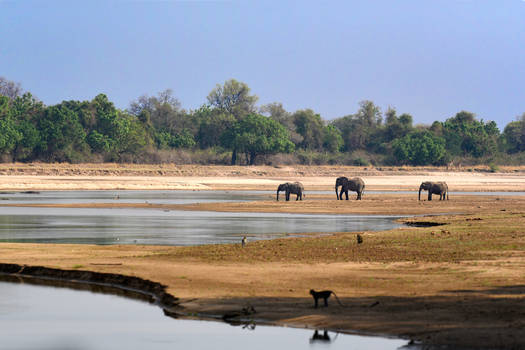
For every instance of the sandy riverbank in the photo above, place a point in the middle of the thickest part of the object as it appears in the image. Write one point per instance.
(461, 283)
(15, 177)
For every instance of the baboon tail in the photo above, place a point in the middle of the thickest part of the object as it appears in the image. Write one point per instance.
(336, 298)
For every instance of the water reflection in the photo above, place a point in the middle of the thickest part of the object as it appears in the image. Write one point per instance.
(155, 226)
(36, 317)
(322, 337)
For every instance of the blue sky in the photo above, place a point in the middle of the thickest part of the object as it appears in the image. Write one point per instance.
(427, 58)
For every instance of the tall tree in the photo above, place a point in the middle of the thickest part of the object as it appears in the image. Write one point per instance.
(419, 148)
(257, 135)
(26, 111)
(9, 135)
(9, 88)
(164, 110)
(467, 136)
(277, 112)
(310, 126)
(63, 138)
(234, 98)
(357, 129)
(514, 135)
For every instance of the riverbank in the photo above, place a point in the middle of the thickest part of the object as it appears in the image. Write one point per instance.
(40, 176)
(459, 283)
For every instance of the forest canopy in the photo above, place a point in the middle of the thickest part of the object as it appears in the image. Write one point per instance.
(229, 128)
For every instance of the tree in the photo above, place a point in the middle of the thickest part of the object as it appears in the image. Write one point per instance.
(465, 135)
(212, 124)
(233, 98)
(310, 126)
(9, 135)
(63, 138)
(164, 110)
(26, 111)
(10, 89)
(277, 112)
(396, 127)
(358, 129)
(419, 148)
(332, 139)
(514, 135)
(257, 135)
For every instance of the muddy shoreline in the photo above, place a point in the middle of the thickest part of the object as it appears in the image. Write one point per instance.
(155, 292)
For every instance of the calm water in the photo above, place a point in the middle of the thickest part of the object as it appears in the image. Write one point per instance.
(37, 317)
(157, 226)
(156, 197)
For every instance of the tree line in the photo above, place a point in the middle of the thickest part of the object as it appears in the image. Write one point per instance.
(230, 123)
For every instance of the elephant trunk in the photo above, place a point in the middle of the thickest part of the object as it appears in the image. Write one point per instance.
(419, 196)
(336, 194)
(277, 195)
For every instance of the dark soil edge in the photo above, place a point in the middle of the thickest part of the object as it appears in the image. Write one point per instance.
(129, 283)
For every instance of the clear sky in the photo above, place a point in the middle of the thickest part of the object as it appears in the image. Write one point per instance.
(428, 58)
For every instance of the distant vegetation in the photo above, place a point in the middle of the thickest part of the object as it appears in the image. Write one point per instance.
(231, 129)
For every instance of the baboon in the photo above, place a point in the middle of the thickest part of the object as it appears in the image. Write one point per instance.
(324, 294)
(359, 239)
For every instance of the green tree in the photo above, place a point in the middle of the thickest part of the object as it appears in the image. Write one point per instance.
(358, 129)
(465, 135)
(332, 139)
(9, 135)
(26, 111)
(310, 126)
(233, 98)
(396, 127)
(514, 135)
(277, 112)
(257, 135)
(63, 138)
(419, 148)
(212, 124)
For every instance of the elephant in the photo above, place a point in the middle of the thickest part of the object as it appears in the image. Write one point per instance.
(356, 184)
(440, 188)
(291, 187)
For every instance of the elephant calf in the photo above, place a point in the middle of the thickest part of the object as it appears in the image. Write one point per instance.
(356, 184)
(291, 187)
(440, 188)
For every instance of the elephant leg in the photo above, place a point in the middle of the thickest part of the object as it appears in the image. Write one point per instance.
(287, 196)
(346, 194)
(358, 195)
(429, 195)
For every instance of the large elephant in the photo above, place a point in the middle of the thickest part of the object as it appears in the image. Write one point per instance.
(440, 188)
(356, 184)
(291, 187)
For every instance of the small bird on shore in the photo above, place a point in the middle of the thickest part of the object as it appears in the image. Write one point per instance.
(359, 239)
(244, 241)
